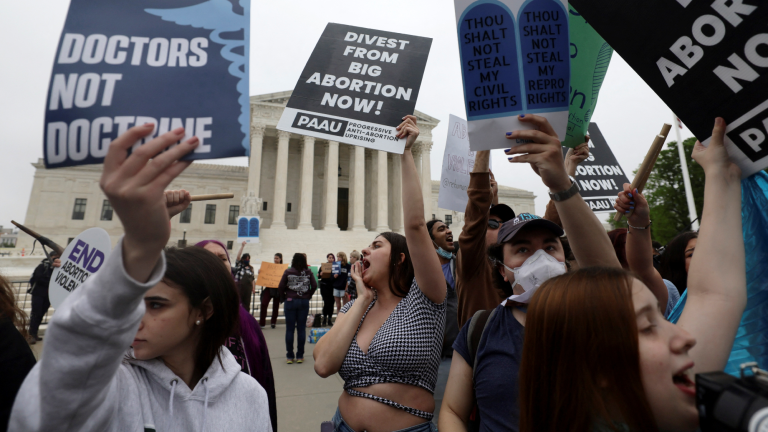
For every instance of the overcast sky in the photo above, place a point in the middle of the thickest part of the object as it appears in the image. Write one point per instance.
(283, 34)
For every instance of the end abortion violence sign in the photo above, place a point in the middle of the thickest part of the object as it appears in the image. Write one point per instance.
(515, 59)
(705, 59)
(83, 257)
(357, 86)
(176, 63)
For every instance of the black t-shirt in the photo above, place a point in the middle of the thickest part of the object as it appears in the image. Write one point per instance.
(341, 281)
(16, 360)
(496, 382)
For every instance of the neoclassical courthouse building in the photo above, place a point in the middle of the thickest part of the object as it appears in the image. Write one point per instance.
(313, 196)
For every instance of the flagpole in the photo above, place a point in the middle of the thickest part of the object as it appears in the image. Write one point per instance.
(686, 177)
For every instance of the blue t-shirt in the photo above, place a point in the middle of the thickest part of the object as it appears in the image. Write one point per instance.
(496, 382)
(448, 275)
(672, 298)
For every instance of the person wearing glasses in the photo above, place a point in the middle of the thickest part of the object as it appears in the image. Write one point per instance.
(483, 217)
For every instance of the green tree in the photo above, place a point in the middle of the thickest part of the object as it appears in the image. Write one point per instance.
(665, 192)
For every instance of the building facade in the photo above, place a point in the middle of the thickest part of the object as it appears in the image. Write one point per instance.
(313, 196)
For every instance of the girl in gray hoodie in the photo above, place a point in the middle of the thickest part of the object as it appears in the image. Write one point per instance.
(175, 309)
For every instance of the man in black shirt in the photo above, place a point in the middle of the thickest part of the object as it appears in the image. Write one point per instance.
(38, 284)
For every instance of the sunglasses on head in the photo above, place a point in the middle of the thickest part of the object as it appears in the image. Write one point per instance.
(493, 224)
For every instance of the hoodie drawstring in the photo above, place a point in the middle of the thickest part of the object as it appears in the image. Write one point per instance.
(173, 390)
(205, 407)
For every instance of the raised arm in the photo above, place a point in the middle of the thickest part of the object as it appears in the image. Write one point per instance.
(639, 245)
(717, 281)
(589, 241)
(429, 274)
(75, 383)
(240, 252)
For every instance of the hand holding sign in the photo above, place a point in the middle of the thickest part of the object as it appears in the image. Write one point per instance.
(135, 186)
(633, 201)
(544, 152)
(409, 130)
(714, 158)
(176, 201)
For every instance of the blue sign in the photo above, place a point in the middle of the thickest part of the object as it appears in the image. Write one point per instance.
(248, 229)
(242, 227)
(125, 63)
(253, 227)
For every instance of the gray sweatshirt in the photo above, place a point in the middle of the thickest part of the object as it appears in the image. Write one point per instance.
(85, 383)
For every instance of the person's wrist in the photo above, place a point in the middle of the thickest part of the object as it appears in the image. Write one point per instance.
(559, 184)
(640, 221)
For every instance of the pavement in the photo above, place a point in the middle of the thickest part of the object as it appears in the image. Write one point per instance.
(304, 400)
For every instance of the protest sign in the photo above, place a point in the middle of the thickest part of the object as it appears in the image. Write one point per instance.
(357, 86)
(600, 178)
(458, 162)
(270, 274)
(125, 63)
(83, 257)
(327, 269)
(590, 56)
(248, 229)
(514, 60)
(704, 59)
(336, 267)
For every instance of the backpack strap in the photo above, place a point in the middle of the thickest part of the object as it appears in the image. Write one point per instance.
(475, 333)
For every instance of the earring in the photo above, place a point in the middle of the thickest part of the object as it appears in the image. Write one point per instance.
(197, 322)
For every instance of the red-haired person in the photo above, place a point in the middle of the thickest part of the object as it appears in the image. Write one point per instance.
(599, 354)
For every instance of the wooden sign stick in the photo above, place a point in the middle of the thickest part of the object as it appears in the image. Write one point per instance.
(211, 197)
(647, 166)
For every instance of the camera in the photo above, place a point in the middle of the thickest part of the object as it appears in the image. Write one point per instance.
(727, 403)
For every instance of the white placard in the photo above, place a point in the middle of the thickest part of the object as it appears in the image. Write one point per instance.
(83, 257)
(248, 229)
(458, 162)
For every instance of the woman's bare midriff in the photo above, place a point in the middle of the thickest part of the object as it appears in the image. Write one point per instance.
(363, 414)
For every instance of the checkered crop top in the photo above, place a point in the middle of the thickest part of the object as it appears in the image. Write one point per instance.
(406, 349)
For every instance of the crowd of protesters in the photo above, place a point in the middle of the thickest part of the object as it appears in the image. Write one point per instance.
(522, 323)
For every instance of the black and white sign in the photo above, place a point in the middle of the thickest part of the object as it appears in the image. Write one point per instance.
(357, 86)
(600, 178)
(705, 59)
(83, 257)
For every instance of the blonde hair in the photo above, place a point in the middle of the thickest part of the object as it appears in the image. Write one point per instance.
(342, 257)
(355, 254)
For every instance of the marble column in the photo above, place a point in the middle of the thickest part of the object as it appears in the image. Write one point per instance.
(357, 189)
(426, 178)
(397, 194)
(382, 209)
(331, 185)
(307, 175)
(281, 181)
(254, 162)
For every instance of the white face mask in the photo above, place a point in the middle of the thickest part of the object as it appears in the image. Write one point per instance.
(537, 269)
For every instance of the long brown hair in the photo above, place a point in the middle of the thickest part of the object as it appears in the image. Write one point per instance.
(9, 309)
(581, 361)
(400, 274)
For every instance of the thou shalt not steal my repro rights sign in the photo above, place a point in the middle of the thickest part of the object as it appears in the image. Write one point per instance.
(357, 86)
(121, 64)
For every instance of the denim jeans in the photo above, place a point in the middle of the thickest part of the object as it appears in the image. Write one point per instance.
(341, 426)
(296, 311)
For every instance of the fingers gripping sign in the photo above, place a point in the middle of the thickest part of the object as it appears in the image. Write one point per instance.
(408, 129)
(543, 150)
(177, 201)
(135, 186)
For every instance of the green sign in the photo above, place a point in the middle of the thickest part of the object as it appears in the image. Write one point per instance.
(590, 56)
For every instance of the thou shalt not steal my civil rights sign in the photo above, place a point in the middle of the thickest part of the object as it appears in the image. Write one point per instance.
(600, 178)
(357, 86)
(514, 60)
(705, 59)
(125, 63)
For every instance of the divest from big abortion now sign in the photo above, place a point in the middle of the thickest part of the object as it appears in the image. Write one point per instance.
(515, 59)
(357, 86)
(172, 63)
(83, 257)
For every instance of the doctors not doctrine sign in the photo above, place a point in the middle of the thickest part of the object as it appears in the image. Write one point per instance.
(176, 63)
(514, 60)
(357, 86)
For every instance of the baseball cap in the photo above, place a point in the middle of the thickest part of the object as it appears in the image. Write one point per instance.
(510, 228)
(503, 211)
